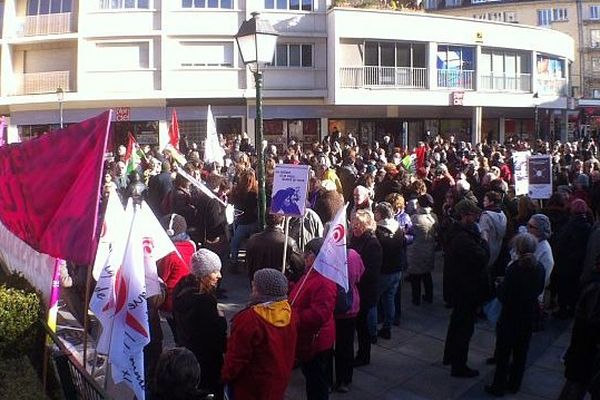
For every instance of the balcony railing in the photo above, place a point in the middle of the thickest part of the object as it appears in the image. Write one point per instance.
(552, 86)
(455, 78)
(396, 77)
(506, 82)
(43, 82)
(47, 24)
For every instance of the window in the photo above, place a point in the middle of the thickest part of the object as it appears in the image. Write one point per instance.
(430, 4)
(124, 4)
(122, 56)
(596, 93)
(511, 16)
(595, 37)
(293, 55)
(303, 5)
(594, 12)
(549, 15)
(394, 54)
(205, 54)
(453, 57)
(596, 64)
(453, 3)
(544, 17)
(226, 4)
(43, 7)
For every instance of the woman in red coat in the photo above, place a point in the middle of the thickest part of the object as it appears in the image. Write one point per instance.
(260, 351)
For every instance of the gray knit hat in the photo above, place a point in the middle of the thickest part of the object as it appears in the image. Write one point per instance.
(270, 284)
(205, 262)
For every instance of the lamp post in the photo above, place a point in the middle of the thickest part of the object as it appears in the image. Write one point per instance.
(256, 40)
(536, 119)
(60, 95)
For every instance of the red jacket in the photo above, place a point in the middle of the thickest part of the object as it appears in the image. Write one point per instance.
(173, 267)
(313, 308)
(260, 352)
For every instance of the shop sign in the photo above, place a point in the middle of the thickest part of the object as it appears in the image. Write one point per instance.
(457, 98)
(122, 113)
(146, 137)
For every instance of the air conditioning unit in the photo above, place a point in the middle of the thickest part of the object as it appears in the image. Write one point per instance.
(510, 17)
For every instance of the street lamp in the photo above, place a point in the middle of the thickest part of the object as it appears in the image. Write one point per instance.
(60, 95)
(536, 119)
(256, 40)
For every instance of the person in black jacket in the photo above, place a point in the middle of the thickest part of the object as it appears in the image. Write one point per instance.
(391, 237)
(178, 376)
(518, 293)
(365, 242)
(201, 327)
(465, 258)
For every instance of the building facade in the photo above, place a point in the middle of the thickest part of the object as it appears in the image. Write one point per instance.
(395, 75)
(580, 19)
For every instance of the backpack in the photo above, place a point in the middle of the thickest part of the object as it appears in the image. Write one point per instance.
(343, 302)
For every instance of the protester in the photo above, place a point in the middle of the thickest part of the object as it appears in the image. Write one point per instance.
(365, 243)
(260, 350)
(244, 197)
(517, 293)
(201, 327)
(466, 256)
(177, 376)
(313, 301)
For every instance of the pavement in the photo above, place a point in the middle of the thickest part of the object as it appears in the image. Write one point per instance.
(409, 365)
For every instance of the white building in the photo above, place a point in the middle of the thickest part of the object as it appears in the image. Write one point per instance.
(368, 71)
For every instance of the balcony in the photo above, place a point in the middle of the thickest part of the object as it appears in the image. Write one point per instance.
(47, 24)
(388, 77)
(455, 78)
(505, 82)
(43, 82)
(552, 86)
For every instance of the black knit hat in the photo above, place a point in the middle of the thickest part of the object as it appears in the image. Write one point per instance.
(314, 245)
(174, 224)
(270, 284)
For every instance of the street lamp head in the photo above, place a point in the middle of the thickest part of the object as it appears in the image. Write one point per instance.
(256, 40)
(60, 94)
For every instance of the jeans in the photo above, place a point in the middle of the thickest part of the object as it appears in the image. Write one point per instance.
(388, 284)
(240, 233)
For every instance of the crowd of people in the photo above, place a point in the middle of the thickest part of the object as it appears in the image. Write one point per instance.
(538, 259)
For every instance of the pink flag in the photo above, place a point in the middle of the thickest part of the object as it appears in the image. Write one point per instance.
(332, 260)
(50, 187)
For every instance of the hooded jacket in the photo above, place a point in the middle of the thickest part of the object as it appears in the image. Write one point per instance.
(260, 351)
(393, 245)
(492, 225)
(421, 253)
(173, 267)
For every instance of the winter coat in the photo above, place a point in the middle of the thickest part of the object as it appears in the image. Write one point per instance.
(303, 230)
(421, 253)
(247, 203)
(518, 294)
(585, 339)
(260, 351)
(200, 327)
(391, 238)
(371, 253)
(265, 250)
(571, 246)
(492, 225)
(158, 187)
(173, 267)
(356, 269)
(465, 257)
(313, 307)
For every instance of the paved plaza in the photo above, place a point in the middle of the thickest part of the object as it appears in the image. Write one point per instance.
(409, 366)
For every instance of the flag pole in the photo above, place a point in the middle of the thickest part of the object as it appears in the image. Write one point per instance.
(286, 224)
(88, 283)
(52, 314)
(302, 284)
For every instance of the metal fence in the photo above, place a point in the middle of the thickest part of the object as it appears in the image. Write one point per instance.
(506, 82)
(76, 382)
(455, 78)
(394, 77)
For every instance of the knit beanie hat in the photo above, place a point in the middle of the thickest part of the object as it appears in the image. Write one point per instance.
(205, 262)
(270, 285)
(174, 224)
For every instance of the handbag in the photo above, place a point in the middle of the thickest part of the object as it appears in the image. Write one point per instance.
(492, 310)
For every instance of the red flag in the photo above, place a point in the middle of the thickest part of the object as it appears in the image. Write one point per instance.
(174, 130)
(50, 188)
(130, 146)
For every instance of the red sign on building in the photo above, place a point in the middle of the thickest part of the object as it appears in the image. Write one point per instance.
(457, 98)
(122, 113)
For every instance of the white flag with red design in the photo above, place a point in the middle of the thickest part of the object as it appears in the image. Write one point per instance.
(130, 330)
(332, 260)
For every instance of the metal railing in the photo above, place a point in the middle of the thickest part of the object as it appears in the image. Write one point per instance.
(505, 82)
(76, 382)
(43, 82)
(396, 77)
(47, 24)
(455, 78)
(551, 86)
